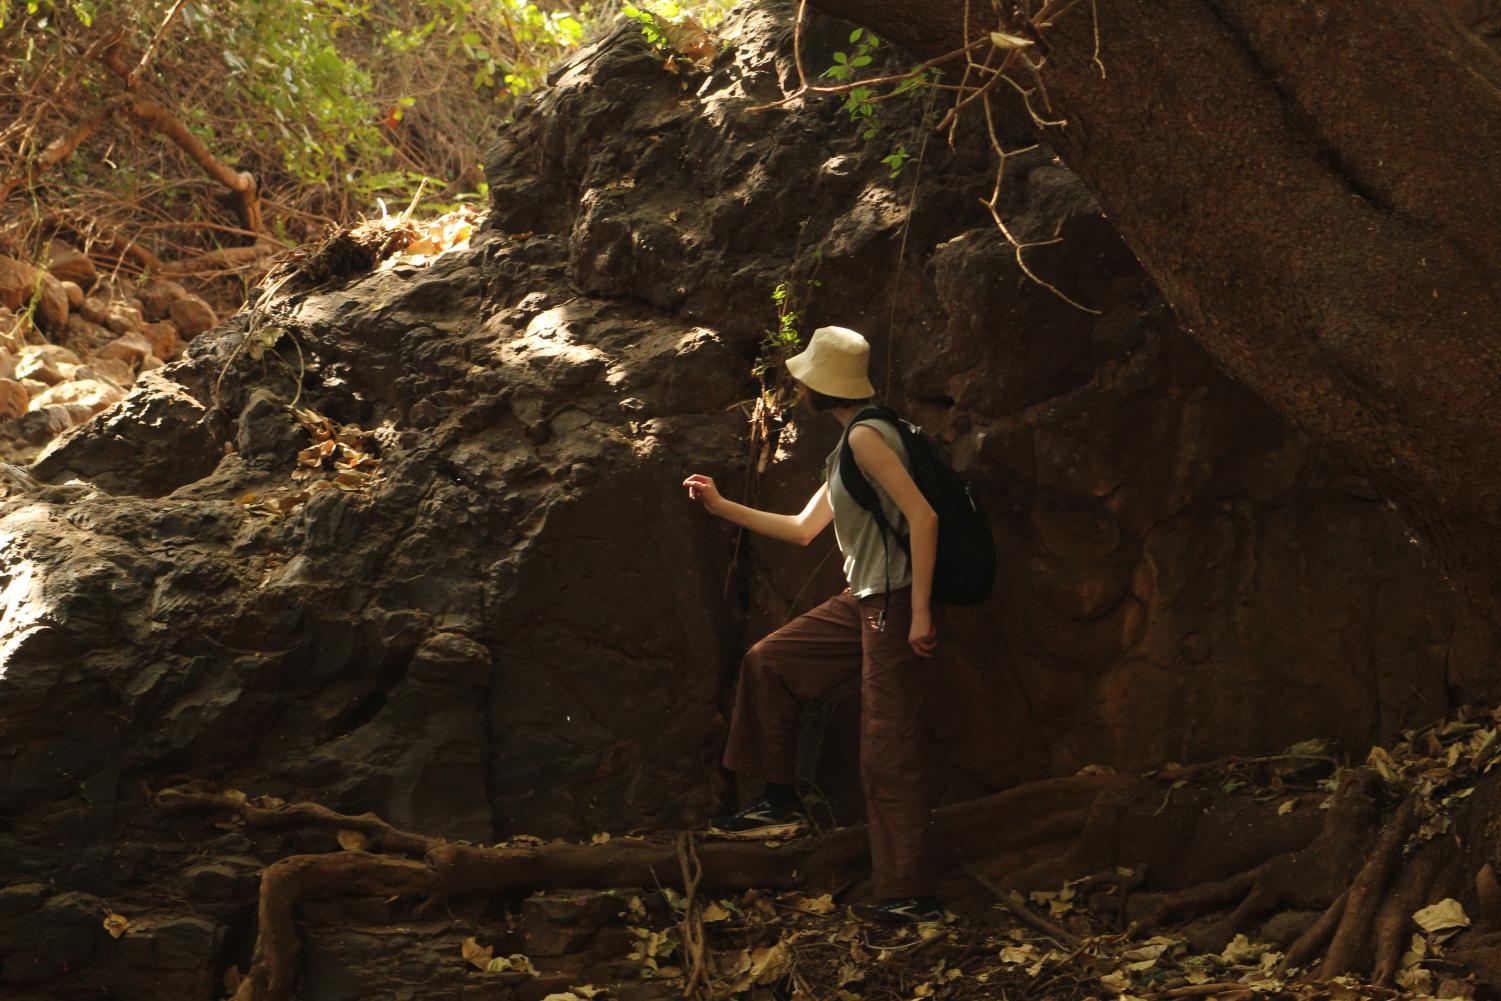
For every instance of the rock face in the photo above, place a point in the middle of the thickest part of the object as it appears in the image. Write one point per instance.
(519, 625)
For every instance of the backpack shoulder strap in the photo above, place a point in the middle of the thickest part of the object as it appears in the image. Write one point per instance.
(853, 478)
(850, 474)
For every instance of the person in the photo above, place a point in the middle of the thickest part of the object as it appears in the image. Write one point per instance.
(880, 629)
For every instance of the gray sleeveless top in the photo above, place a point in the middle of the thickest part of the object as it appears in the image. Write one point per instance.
(868, 567)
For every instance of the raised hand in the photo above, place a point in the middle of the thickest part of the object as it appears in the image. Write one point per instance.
(702, 489)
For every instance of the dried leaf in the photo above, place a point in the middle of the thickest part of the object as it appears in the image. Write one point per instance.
(769, 963)
(714, 912)
(600, 839)
(353, 841)
(1115, 981)
(1287, 807)
(1381, 760)
(116, 924)
(1442, 916)
(819, 905)
(1005, 40)
(515, 962)
(475, 954)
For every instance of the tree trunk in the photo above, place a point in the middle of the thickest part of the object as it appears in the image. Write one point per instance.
(1314, 187)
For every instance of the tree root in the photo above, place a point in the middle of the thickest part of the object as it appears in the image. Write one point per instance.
(1353, 936)
(381, 835)
(447, 870)
(1005, 841)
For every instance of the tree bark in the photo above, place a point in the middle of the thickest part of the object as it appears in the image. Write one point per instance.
(1314, 188)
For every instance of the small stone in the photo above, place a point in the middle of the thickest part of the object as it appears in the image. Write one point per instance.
(40, 426)
(123, 318)
(111, 370)
(94, 310)
(14, 400)
(212, 881)
(49, 363)
(165, 343)
(93, 395)
(52, 309)
(75, 293)
(158, 297)
(17, 283)
(71, 264)
(7, 364)
(130, 348)
(85, 337)
(32, 387)
(152, 363)
(192, 316)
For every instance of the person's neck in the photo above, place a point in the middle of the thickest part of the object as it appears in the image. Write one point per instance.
(844, 414)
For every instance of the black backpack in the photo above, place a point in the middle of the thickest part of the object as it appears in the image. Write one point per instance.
(964, 573)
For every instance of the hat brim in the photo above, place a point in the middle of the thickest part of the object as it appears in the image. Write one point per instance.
(801, 367)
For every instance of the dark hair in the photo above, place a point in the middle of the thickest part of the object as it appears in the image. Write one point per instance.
(822, 402)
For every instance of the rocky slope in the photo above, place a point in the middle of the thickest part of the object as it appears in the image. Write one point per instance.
(517, 624)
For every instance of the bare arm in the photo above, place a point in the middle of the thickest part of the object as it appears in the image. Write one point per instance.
(801, 528)
(878, 461)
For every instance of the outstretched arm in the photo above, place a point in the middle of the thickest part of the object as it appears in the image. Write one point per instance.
(801, 528)
(881, 464)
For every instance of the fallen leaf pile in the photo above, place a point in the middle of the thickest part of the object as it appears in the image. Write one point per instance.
(434, 238)
(1439, 764)
(339, 458)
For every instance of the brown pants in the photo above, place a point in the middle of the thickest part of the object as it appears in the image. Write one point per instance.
(899, 763)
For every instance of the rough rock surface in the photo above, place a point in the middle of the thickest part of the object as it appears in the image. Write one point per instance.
(520, 626)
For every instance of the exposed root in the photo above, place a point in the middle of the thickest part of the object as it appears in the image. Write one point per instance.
(380, 834)
(1033, 835)
(273, 966)
(1353, 937)
(1307, 945)
(695, 946)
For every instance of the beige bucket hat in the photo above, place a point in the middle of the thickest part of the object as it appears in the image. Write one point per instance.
(834, 363)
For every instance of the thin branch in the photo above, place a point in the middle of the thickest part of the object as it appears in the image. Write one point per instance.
(134, 76)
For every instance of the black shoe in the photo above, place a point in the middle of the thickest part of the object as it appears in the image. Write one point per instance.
(762, 819)
(903, 911)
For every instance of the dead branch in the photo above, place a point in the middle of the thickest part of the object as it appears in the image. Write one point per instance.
(1017, 908)
(241, 184)
(134, 76)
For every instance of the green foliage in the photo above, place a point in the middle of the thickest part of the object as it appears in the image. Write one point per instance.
(896, 160)
(336, 106)
(863, 103)
(650, 26)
